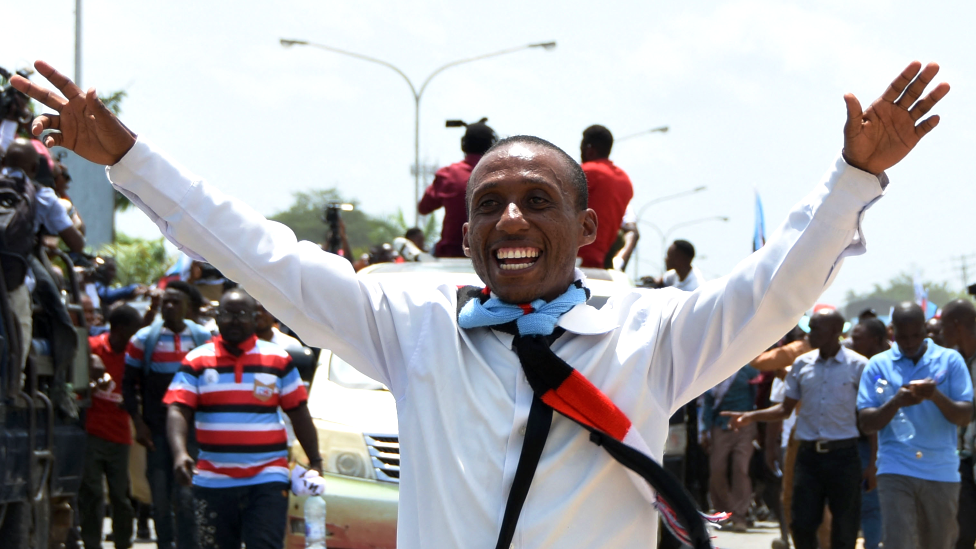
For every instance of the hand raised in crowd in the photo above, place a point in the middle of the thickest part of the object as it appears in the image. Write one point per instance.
(84, 124)
(878, 138)
(737, 420)
(184, 468)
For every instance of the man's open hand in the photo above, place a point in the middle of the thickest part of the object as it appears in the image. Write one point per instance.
(85, 124)
(737, 420)
(878, 138)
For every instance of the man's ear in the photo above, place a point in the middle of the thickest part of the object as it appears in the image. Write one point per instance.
(464, 240)
(588, 227)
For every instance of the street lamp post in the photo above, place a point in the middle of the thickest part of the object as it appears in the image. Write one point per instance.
(417, 93)
(658, 200)
(665, 234)
(660, 129)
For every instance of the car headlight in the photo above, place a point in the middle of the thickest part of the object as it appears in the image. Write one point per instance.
(343, 451)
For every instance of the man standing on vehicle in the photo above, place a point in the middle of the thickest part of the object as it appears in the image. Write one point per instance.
(109, 437)
(828, 467)
(449, 186)
(456, 377)
(918, 478)
(153, 357)
(231, 389)
(609, 191)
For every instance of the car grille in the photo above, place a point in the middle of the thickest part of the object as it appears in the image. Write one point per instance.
(384, 450)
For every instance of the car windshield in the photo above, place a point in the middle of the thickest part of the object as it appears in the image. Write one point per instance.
(343, 374)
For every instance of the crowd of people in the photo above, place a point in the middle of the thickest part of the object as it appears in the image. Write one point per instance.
(829, 407)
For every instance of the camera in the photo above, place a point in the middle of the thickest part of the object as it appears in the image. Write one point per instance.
(971, 290)
(12, 101)
(332, 219)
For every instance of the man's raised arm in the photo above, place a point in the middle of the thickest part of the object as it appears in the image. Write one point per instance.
(729, 321)
(315, 292)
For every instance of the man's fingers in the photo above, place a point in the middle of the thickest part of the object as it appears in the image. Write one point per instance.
(927, 125)
(929, 101)
(39, 93)
(60, 81)
(917, 86)
(854, 114)
(45, 122)
(53, 140)
(899, 84)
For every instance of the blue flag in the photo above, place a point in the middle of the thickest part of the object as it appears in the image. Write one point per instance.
(759, 236)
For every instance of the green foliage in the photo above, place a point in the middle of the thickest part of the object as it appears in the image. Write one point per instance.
(431, 232)
(138, 261)
(305, 217)
(114, 101)
(901, 288)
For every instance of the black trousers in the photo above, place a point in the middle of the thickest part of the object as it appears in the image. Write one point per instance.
(967, 506)
(255, 514)
(832, 478)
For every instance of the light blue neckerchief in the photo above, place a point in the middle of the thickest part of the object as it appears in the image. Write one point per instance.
(541, 321)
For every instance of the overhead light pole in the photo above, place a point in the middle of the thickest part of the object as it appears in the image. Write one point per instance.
(640, 214)
(417, 92)
(666, 234)
(659, 129)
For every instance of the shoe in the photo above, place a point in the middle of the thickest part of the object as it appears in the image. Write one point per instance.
(781, 544)
(739, 527)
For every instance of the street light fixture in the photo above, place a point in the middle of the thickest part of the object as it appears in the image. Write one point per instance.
(665, 234)
(658, 200)
(417, 92)
(660, 129)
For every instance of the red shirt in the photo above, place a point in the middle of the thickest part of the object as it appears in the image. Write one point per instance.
(448, 190)
(106, 418)
(610, 191)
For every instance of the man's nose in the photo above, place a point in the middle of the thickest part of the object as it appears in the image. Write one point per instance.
(511, 220)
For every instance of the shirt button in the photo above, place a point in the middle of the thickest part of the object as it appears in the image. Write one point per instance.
(521, 432)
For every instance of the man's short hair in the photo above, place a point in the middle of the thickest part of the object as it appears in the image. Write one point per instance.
(685, 248)
(874, 327)
(193, 295)
(599, 138)
(412, 232)
(478, 138)
(577, 177)
(123, 315)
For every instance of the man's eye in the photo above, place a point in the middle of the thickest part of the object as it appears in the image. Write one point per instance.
(487, 204)
(538, 201)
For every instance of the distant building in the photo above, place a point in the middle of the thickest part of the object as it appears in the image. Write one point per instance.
(92, 195)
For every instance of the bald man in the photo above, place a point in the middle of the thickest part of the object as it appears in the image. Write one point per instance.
(828, 467)
(918, 478)
(959, 332)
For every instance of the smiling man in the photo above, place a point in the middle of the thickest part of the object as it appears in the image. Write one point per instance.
(477, 374)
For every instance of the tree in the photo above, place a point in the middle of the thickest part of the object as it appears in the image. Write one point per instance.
(305, 217)
(902, 288)
(138, 261)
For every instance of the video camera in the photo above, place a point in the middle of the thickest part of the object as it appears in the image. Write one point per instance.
(12, 101)
(332, 219)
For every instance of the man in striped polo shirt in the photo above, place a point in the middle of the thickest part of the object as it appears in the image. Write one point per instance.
(233, 388)
(152, 358)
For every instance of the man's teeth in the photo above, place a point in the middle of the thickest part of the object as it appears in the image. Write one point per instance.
(516, 266)
(517, 253)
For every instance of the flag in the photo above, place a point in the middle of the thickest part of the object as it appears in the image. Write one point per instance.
(921, 294)
(759, 235)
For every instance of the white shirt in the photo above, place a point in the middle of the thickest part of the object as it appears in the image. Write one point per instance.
(462, 400)
(777, 394)
(691, 282)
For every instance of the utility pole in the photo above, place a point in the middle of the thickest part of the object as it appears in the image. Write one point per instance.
(78, 42)
(966, 263)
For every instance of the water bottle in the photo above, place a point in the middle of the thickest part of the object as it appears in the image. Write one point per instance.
(315, 522)
(900, 425)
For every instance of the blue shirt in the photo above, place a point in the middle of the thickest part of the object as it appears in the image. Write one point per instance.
(828, 391)
(931, 454)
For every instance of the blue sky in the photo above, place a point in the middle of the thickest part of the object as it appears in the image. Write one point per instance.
(751, 89)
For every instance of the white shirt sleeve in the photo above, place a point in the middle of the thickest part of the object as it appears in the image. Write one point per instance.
(727, 322)
(316, 293)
